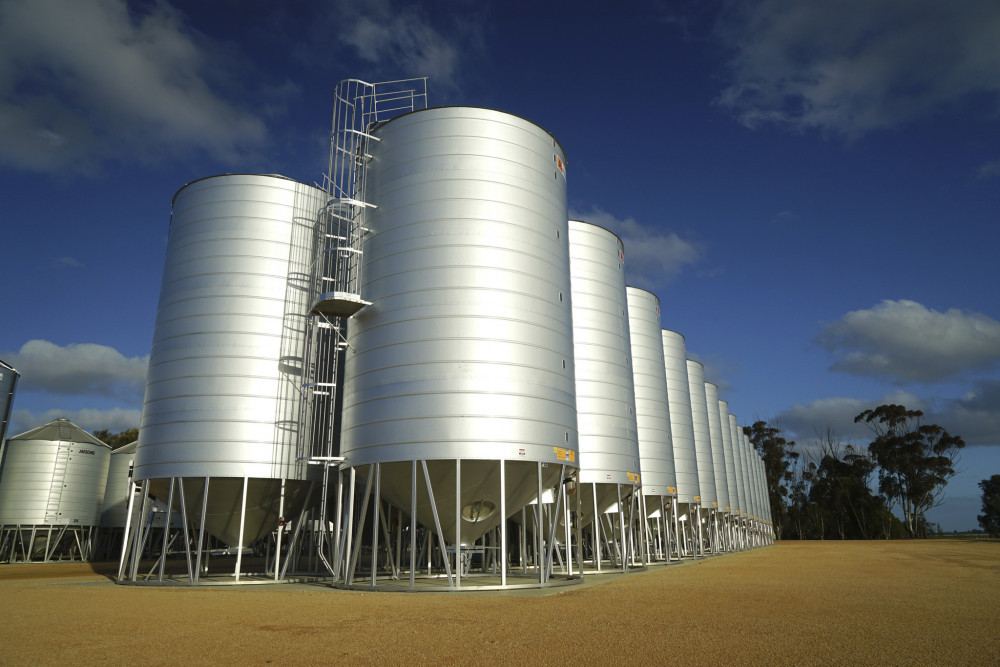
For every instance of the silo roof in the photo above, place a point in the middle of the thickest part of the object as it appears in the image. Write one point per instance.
(130, 448)
(60, 430)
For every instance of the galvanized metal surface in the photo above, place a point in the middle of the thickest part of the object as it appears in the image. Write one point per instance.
(656, 455)
(702, 437)
(53, 475)
(740, 452)
(8, 386)
(718, 453)
(605, 394)
(737, 501)
(727, 454)
(222, 394)
(467, 350)
(681, 421)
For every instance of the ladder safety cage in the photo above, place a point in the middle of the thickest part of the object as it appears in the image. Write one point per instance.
(338, 238)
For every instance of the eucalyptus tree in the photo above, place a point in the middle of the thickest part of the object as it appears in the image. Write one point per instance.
(915, 460)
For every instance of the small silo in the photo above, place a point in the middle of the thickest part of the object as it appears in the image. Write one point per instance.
(459, 403)
(718, 464)
(703, 450)
(609, 473)
(656, 456)
(51, 492)
(682, 438)
(219, 434)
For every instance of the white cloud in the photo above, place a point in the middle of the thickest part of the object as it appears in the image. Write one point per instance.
(990, 170)
(905, 342)
(115, 420)
(653, 256)
(854, 66)
(803, 422)
(86, 82)
(79, 369)
(975, 417)
(401, 39)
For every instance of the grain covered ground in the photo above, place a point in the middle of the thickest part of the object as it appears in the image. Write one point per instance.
(907, 602)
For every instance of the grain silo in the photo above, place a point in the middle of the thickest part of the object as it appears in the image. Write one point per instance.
(459, 402)
(609, 474)
(682, 438)
(656, 456)
(703, 452)
(219, 438)
(735, 498)
(740, 455)
(8, 385)
(718, 463)
(729, 462)
(51, 491)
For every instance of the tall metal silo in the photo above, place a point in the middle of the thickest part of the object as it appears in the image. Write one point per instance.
(682, 438)
(703, 451)
(727, 455)
(656, 456)
(219, 438)
(8, 385)
(748, 454)
(736, 498)
(743, 492)
(459, 403)
(718, 463)
(51, 492)
(609, 474)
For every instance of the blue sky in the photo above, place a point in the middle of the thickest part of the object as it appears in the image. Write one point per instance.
(811, 188)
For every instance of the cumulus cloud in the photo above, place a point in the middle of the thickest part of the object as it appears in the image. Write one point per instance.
(401, 37)
(86, 82)
(990, 170)
(975, 416)
(854, 66)
(803, 421)
(653, 256)
(904, 341)
(79, 369)
(115, 420)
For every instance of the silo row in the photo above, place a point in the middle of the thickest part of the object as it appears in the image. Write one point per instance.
(501, 409)
(506, 406)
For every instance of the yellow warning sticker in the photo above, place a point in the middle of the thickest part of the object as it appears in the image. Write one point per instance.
(565, 454)
(672, 490)
(697, 499)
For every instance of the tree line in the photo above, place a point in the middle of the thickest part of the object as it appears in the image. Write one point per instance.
(846, 491)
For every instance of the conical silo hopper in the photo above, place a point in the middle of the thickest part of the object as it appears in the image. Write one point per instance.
(463, 362)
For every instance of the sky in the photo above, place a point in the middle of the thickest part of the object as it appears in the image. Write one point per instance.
(811, 188)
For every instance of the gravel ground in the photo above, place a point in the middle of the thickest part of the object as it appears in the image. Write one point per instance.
(798, 603)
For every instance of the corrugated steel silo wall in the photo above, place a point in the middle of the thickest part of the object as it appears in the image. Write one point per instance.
(727, 453)
(656, 455)
(605, 395)
(222, 388)
(8, 385)
(681, 422)
(467, 350)
(718, 455)
(49, 482)
(115, 508)
(739, 502)
(702, 438)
